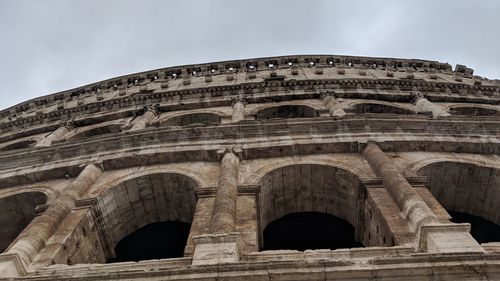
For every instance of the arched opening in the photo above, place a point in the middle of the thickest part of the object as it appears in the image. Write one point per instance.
(482, 230)
(298, 198)
(309, 230)
(468, 192)
(158, 240)
(474, 111)
(287, 111)
(150, 210)
(194, 118)
(97, 131)
(17, 211)
(379, 108)
(18, 145)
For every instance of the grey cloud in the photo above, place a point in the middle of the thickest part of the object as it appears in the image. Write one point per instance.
(53, 45)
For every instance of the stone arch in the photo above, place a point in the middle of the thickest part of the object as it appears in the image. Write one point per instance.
(103, 186)
(205, 117)
(49, 193)
(465, 159)
(465, 187)
(372, 106)
(17, 211)
(474, 110)
(265, 169)
(145, 199)
(96, 130)
(18, 144)
(309, 188)
(293, 109)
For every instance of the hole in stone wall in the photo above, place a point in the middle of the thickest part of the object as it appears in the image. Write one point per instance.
(159, 240)
(482, 230)
(309, 230)
(287, 111)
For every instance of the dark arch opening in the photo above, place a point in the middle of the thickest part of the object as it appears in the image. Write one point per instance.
(287, 111)
(309, 230)
(474, 111)
(16, 213)
(195, 118)
(18, 145)
(379, 108)
(482, 230)
(159, 240)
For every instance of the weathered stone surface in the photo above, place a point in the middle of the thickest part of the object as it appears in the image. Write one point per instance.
(230, 148)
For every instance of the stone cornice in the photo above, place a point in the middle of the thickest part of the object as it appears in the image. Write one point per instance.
(384, 89)
(257, 140)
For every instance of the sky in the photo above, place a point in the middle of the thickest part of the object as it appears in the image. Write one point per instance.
(47, 46)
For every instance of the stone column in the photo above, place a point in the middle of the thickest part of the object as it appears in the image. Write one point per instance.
(238, 111)
(332, 104)
(433, 236)
(56, 135)
(223, 244)
(33, 239)
(224, 214)
(425, 105)
(142, 121)
(407, 199)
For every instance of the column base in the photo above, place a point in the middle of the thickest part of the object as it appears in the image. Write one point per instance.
(447, 238)
(11, 266)
(217, 248)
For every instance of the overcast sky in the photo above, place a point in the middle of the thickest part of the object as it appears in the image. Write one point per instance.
(48, 46)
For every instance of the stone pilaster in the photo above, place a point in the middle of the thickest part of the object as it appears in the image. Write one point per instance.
(425, 105)
(33, 239)
(142, 121)
(224, 214)
(407, 199)
(58, 134)
(223, 244)
(238, 110)
(333, 105)
(432, 235)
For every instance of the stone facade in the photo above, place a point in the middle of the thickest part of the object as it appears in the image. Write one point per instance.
(390, 146)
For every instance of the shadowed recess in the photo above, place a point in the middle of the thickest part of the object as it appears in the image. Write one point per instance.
(287, 111)
(309, 230)
(379, 108)
(482, 230)
(196, 118)
(160, 240)
(16, 213)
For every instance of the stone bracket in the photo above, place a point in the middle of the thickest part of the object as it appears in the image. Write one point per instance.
(213, 249)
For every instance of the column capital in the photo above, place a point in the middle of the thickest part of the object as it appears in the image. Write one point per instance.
(154, 108)
(235, 150)
(415, 96)
(239, 100)
(70, 125)
(326, 93)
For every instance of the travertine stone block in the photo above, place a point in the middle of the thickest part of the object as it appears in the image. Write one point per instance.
(217, 249)
(447, 238)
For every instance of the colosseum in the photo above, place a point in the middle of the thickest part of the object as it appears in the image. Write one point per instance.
(314, 167)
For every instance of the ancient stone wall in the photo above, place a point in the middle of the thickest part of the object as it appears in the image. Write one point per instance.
(388, 148)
